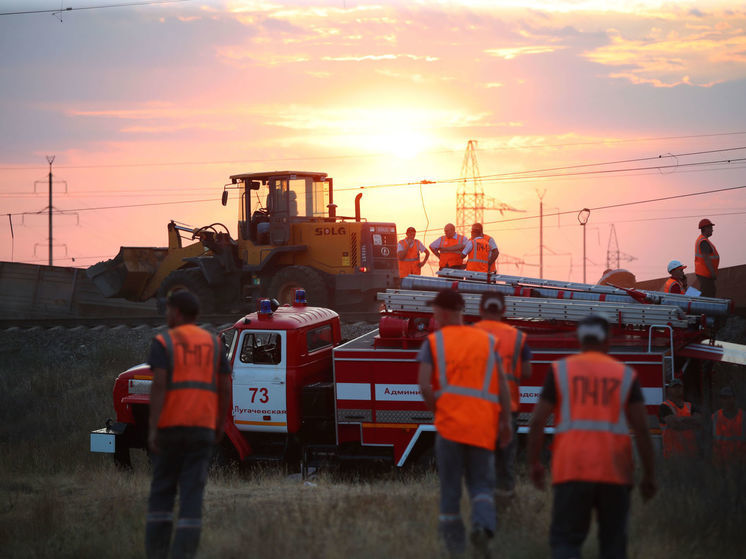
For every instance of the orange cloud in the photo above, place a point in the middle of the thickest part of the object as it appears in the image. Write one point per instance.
(698, 55)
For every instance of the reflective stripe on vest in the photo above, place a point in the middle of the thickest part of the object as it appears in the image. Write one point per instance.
(412, 252)
(670, 282)
(446, 388)
(719, 419)
(211, 386)
(618, 427)
(191, 398)
(451, 258)
(676, 410)
(516, 354)
(700, 268)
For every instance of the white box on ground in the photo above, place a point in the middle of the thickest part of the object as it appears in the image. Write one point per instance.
(103, 441)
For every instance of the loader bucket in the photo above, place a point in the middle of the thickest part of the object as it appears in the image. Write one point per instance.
(127, 274)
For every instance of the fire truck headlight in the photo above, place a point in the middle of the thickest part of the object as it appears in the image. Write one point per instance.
(137, 386)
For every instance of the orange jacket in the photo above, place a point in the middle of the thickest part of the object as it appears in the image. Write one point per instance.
(447, 259)
(410, 264)
(465, 382)
(700, 268)
(192, 382)
(592, 441)
(668, 287)
(728, 437)
(479, 256)
(510, 342)
(678, 442)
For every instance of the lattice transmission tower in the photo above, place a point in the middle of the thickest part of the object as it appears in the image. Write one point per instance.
(470, 198)
(614, 256)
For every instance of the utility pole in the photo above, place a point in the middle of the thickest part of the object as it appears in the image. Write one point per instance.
(583, 216)
(50, 160)
(541, 231)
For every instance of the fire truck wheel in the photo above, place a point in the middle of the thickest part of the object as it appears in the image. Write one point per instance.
(287, 280)
(193, 280)
(122, 457)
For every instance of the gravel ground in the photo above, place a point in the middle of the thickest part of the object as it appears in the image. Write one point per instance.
(80, 342)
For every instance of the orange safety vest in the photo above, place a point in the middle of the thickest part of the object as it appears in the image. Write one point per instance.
(592, 441)
(670, 282)
(192, 381)
(447, 259)
(466, 387)
(676, 442)
(479, 256)
(700, 268)
(410, 264)
(510, 344)
(728, 437)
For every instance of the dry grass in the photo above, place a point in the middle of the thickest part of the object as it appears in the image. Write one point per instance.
(58, 500)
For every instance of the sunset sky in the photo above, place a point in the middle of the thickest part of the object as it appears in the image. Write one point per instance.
(156, 105)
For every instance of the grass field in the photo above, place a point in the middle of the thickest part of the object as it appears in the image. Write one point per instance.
(58, 500)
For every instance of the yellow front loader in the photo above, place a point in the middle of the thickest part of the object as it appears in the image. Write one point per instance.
(289, 236)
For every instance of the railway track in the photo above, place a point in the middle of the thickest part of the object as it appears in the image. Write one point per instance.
(152, 321)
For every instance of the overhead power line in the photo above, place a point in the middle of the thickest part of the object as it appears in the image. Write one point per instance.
(61, 10)
(625, 204)
(374, 155)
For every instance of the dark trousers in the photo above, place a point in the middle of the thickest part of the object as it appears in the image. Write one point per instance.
(706, 286)
(456, 462)
(505, 459)
(571, 518)
(182, 463)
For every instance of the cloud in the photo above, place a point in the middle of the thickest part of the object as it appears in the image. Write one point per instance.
(509, 53)
(377, 57)
(702, 54)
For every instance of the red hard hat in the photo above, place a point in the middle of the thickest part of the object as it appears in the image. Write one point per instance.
(704, 223)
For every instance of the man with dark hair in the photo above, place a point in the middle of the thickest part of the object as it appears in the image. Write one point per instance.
(516, 358)
(463, 384)
(408, 253)
(189, 401)
(595, 400)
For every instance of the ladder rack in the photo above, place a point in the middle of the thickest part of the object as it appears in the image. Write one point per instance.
(479, 282)
(633, 314)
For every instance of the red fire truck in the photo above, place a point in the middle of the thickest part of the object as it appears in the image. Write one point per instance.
(299, 392)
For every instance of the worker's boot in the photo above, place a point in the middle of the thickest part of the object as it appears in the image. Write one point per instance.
(157, 538)
(481, 539)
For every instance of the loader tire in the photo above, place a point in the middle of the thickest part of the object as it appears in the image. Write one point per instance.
(193, 280)
(286, 280)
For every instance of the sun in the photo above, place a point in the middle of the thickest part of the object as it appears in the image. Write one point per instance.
(401, 132)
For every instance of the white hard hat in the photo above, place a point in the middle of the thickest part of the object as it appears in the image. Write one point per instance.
(673, 265)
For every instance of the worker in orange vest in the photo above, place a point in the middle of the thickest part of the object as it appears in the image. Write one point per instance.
(728, 431)
(706, 259)
(516, 358)
(677, 282)
(595, 400)
(448, 248)
(481, 250)
(189, 402)
(408, 252)
(679, 422)
(462, 382)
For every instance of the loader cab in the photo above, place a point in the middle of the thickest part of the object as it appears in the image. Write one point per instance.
(271, 202)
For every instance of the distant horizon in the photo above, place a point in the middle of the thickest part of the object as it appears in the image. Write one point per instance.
(155, 106)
